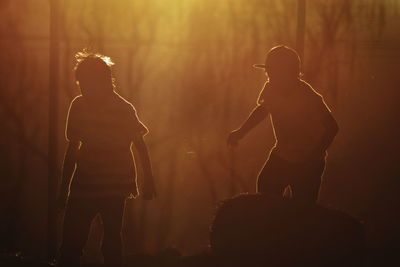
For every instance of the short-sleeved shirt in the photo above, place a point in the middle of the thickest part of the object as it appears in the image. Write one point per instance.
(297, 119)
(105, 164)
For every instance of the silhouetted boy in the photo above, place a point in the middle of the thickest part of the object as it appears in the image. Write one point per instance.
(101, 126)
(303, 127)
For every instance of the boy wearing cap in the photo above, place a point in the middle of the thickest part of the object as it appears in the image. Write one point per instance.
(303, 128)
(101, 127)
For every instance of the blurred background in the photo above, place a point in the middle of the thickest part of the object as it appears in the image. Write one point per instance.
(187, 67)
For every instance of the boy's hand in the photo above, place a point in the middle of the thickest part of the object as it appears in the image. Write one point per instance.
(234, 137)
(149, 189)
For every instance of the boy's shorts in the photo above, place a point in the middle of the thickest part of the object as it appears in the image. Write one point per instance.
(304, 178)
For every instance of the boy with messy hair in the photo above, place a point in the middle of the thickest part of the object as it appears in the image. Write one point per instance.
(98, 170)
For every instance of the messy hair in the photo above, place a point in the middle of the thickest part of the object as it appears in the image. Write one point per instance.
(89, 63)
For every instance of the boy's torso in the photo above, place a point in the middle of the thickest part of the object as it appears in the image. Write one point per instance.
(105, 164)
(296, 119)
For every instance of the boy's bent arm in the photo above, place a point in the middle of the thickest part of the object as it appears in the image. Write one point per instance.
(68, 169)
(149, 191)
(331, 129)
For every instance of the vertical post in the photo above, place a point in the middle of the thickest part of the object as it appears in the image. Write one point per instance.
(52, 134)
(301, 27)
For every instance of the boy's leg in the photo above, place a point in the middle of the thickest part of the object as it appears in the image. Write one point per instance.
(308, 181)
(112, 211)
(272, 179)
(77, 220)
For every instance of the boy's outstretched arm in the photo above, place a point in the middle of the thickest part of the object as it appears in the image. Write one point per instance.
(68, 169)
(256, 116)
(148, 188)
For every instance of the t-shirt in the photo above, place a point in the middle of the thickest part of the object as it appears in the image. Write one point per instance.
(105, 164)
(297, 115)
